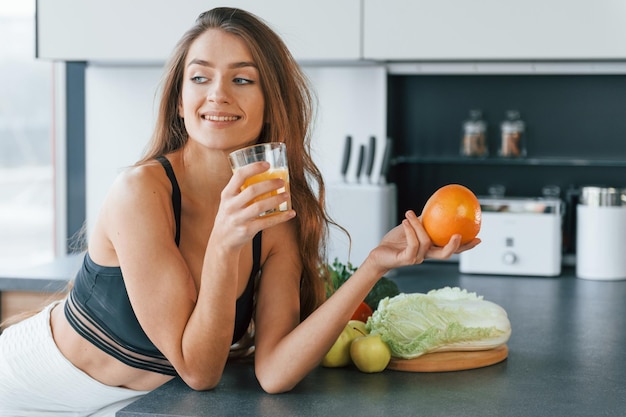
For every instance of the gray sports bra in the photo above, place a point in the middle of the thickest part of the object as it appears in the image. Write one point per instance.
(99, 309)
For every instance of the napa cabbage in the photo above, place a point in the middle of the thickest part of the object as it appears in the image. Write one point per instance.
(447, 319)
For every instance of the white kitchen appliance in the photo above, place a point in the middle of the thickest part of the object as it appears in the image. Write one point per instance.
(520, 236)
(601, 234)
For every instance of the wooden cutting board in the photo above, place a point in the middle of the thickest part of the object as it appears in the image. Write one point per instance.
(450, 361)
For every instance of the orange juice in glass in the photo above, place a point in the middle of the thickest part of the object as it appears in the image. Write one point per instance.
(276, 154)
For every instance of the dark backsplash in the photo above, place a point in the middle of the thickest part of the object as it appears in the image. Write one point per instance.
(568, 117)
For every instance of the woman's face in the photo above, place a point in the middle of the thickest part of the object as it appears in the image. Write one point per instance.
(221, 101)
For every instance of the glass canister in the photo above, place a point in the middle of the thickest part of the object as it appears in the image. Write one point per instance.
(474, 140)
(513, 136)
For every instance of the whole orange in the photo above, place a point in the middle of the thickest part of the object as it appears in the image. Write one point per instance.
(452, 209)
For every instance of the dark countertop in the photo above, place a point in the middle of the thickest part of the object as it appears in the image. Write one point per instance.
(566, 358)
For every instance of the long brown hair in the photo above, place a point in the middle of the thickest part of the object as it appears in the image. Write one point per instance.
(289, 108)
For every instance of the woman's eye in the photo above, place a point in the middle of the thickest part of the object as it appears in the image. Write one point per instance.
(198, 79)
(242, 81)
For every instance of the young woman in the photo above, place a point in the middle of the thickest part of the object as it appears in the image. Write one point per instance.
(179, 262)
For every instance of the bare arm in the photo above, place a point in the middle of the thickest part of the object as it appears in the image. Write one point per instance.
(286, 351)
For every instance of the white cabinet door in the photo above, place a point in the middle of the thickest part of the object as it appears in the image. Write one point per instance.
(494, 29)
(147, 30)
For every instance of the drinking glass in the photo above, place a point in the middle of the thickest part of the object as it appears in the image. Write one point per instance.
(276, 154)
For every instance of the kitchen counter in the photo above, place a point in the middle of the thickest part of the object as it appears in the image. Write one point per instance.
(566, 358)
(48, 277)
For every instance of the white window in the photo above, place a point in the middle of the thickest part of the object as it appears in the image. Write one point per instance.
(27, 190)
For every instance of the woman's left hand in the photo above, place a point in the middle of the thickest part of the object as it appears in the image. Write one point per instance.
(409, 244)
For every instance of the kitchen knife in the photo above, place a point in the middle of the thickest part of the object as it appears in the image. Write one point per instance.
(347, 149)
(384, 168)
(359, 166)
(371, 154)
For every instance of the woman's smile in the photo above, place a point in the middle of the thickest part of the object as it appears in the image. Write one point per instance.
(217, 118)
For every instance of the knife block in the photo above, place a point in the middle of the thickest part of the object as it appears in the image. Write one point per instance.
(366, 211)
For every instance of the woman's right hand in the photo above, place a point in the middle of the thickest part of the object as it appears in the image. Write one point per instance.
(238, 220)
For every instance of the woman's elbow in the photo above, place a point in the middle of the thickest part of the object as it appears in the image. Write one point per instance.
(273, 384)
(277, 389)
(201, 382)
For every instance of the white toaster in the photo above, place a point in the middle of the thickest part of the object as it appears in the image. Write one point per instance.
(520, 236)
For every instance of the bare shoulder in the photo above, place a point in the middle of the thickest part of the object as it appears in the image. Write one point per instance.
(138, 180)
(137, 205)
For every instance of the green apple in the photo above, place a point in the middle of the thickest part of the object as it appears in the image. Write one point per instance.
(359, 326)
(370, 353)
(339, 353)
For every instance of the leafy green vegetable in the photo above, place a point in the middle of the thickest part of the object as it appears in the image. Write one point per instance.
(444, 319)
(384, 288)
(339, 273)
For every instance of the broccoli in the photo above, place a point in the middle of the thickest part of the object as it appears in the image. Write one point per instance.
(383, 288)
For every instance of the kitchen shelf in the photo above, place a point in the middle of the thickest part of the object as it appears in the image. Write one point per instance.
(556, 162)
